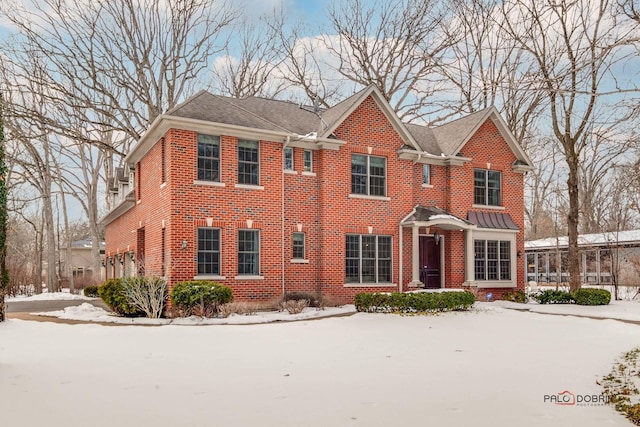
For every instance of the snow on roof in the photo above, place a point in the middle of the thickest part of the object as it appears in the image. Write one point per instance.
(597, 239)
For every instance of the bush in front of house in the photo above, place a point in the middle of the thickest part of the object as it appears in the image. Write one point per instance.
(592, 296)
(91, 292)
(551, 296)
(113, 293)
(419, 302)
(199, 298)
(515, 296)
(147, 294)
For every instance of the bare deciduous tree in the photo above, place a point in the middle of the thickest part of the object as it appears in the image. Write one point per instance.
(574, 45)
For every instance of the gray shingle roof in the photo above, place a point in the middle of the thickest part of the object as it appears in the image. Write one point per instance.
(285, 116)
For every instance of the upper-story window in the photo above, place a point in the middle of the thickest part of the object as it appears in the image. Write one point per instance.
(298, 245)
(248, 162)
(288, 158)
(426, 174)
(307, 159)
(487, 187)
(208, 158)
(368, 175)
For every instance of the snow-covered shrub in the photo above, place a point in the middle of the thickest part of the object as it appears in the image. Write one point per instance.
(91, 292)
(113, 294)
(515, 296)
(148, 294)
(590, 296)
(422, 302)
(294, 306)
(199, 298)
(551, 296)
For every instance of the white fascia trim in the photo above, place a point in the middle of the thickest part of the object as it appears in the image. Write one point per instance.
(164, 122)
(118, 211)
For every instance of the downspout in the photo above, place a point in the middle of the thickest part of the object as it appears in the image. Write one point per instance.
(282, 218)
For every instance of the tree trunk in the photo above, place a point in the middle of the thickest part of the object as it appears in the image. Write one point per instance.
(49, 223)
(572, 223)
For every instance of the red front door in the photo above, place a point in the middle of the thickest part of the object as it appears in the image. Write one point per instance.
(429, 262)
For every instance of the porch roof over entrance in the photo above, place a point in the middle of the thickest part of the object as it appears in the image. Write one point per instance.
(423, 216)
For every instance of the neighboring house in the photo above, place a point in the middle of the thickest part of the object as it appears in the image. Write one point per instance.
(270, 197)
(81, 260)
(603, 257)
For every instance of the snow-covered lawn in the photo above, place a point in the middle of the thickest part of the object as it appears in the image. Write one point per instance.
(488, 367)
(50, 296)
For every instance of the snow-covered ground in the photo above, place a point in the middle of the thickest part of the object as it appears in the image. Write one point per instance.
(488, 367)
(49, 296)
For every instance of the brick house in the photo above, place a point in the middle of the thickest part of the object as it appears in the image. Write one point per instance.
(270, 197)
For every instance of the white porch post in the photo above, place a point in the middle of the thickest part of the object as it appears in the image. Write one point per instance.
(415, 255)
(469, 258)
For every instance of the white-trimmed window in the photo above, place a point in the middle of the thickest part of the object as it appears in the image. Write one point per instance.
(426, 174)
(248, 162)
(487, 187)
(208, 158)
(299, 248)
(288, 158)
(307, 160)
(368, 175)
(208, 251)
(492, 260)
(368, 258)
(248, 252)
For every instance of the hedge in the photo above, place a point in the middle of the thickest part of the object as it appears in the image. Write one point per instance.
(199, 297)
(551, 296)
(592, 296)
(515, 296)
(91, 292)
(421, 302)
(113, 294)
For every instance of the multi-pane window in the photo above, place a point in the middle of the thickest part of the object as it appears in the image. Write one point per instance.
(248, 162)
(487, 187)
(368, 258)
(368, 175)
(209, 251)
(492, 259)
(249, 252)
(208, 158)
(426, 174)
(288, 158)
(307, 158)
(298, 246)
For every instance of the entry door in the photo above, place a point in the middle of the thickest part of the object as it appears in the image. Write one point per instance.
(429, 262)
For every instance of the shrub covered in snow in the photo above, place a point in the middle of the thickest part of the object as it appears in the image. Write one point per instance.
(551, 296)
(414, 302)
(200, 298)
(114, 295)
(590, 296)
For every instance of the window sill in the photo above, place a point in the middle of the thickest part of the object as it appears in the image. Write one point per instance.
(370, 285)
(494, 284)
(249, 277)
(366, 197)
(306, 173)
(209, 183)
(498, 208)
(249, 187)
(208, 277)
(290, 172)
(299, 261)
(427, 186)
